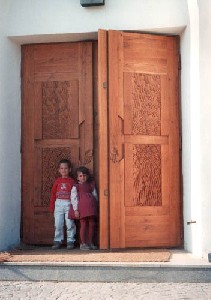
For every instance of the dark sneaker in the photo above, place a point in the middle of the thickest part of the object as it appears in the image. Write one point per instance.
(56, 246)
(92, 247)
(84, 247)
(70, 246)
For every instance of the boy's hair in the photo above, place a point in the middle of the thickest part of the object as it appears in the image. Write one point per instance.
(65, 161)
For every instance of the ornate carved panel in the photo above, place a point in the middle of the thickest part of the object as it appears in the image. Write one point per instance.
(147, 175)
(50, 159)
(146, 97)
(59, 103)
(88, 157)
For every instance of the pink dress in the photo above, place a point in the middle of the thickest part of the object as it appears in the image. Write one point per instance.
(87, 203)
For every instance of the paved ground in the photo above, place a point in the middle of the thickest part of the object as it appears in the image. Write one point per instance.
(103, 291)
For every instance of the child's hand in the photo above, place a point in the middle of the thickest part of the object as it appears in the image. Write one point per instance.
(76, 213)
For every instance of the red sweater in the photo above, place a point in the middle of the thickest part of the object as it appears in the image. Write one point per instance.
(61, 190)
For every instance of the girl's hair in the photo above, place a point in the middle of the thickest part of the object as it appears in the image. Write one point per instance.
(65, 161)
(85, 171)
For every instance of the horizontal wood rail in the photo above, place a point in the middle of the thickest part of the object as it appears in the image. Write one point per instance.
(146, 139)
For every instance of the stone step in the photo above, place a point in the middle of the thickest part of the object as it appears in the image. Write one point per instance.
(107, 272)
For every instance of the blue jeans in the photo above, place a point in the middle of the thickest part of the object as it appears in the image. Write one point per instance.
(60, 214)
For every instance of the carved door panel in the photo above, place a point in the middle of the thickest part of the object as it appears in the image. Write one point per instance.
(143, 140)
(57, 122)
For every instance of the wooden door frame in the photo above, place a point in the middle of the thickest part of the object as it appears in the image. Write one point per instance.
(103, 145)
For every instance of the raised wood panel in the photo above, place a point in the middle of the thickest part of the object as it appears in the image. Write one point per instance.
(146, 41)
(147, 188)
(144, 183)
(63, 53)
(146, 55)
(142, 105)
(60, 99)
(151, 230)
(61, 59)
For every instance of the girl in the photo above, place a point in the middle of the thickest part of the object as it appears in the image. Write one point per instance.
(84, 206)
(60, 205)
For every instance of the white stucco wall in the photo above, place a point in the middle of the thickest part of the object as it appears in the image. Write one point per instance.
(191, 131)
(205, 113)
(65, 16)
(196, 112)
(52, 21)
(10, 204)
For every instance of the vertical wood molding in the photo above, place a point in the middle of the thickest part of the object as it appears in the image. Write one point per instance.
(27, 141)
(116, 140)
(85, 105)
(103, 139)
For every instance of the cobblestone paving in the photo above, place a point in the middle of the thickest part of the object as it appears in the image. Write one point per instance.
(100, 291)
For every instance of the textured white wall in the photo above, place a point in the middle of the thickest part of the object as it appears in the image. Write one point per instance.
(29, 17)
(186, 129)
(191, 131)
(10, 206)
(196, 112)
(205, 113)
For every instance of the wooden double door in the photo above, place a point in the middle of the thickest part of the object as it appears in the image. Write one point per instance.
(112, 106)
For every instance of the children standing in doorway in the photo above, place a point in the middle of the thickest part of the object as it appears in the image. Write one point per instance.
(84, 205)
(60, 205)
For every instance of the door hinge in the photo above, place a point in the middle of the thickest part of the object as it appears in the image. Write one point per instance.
(105, 85)
(180, 142)
(106, 192)
(191, 222)
(179, 62)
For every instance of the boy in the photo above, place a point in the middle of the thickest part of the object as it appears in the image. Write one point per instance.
(60, 205)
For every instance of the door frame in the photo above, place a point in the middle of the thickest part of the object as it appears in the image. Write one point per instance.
(101, 147)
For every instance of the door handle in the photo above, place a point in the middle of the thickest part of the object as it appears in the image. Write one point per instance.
(117, 150)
